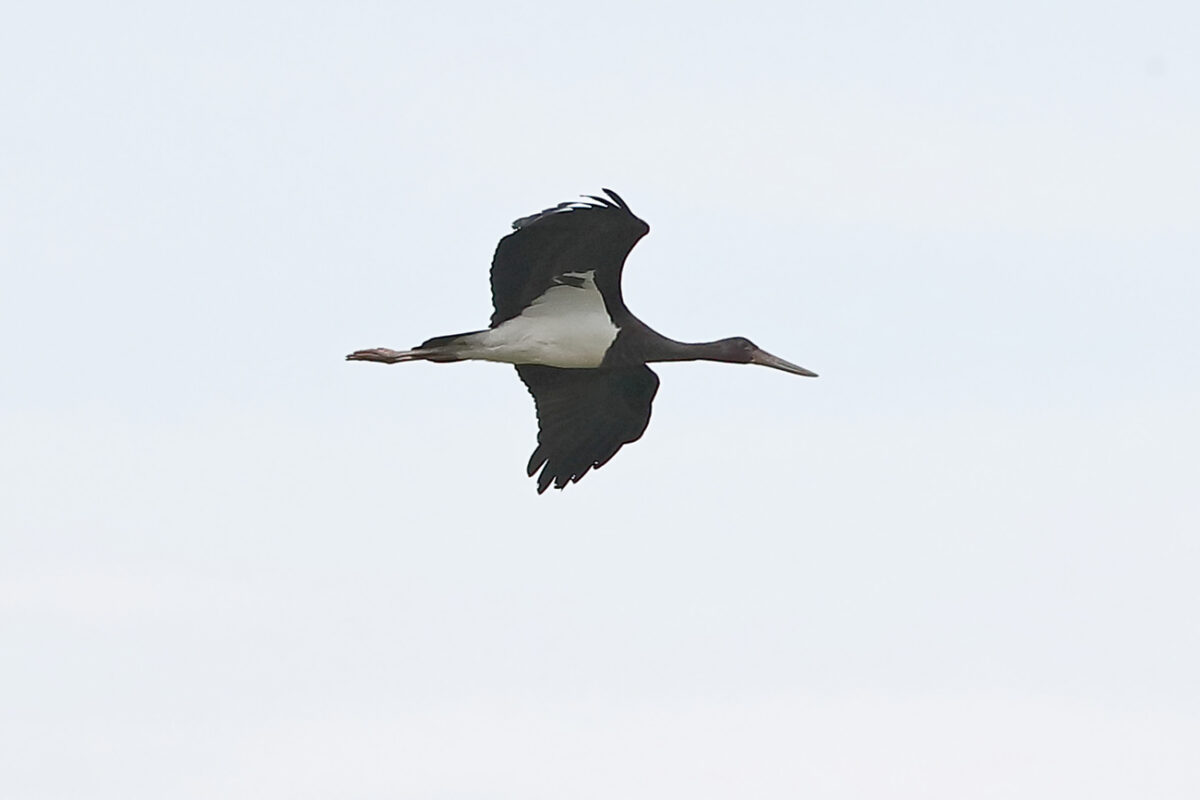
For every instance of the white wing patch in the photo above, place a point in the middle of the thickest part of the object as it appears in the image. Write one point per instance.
(567, 326)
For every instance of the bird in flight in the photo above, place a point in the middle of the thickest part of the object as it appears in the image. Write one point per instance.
(560, 319)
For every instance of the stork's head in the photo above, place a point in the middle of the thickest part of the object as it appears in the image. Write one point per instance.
(740, 350)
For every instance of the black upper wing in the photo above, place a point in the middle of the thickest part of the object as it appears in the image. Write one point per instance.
(585, 416)
(571, 237)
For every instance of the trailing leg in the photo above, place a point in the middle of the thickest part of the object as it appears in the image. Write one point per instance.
(383, 355)
(439, 348)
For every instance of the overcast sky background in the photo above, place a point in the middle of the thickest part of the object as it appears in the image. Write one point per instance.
(961, 563)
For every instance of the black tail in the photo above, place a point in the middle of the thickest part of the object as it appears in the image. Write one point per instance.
(442, 341)
(442, 348)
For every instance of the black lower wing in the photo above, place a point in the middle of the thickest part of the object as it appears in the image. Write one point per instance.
(585, 416)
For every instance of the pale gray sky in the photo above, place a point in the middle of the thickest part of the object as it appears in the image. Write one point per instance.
(962, 563)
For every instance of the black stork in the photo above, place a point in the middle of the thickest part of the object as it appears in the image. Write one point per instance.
(560, 319)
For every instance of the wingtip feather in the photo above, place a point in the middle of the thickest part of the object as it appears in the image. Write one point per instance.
(616, 198)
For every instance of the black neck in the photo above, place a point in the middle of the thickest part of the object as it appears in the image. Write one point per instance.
(638, 344)
(671, 350)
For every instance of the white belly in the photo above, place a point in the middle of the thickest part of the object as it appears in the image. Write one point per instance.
(567, 326)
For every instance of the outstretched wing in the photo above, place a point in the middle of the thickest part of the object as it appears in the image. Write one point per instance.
(571, 237)
(585, 416)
